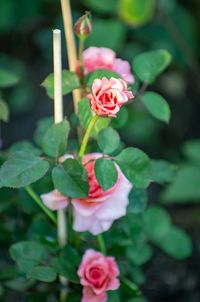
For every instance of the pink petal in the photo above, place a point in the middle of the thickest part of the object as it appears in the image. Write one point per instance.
(54, 200)
(89, 296)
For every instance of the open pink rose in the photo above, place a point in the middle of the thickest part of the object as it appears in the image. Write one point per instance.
(96, 213)
(98, 274)
(108, 96)
(101, 57)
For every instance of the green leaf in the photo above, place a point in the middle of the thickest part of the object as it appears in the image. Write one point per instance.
(70, 179)
(156, 222)
(65, 268)
(55, 139)
(137, 201)
(102, 122)
(162, 171)
(22, 169)
(136, 12)
(85, 113)
(135, 165)
(185, 187)
(106, 173)
(176, 243)
(121, 119)
(8, 78)
(156, 105)
(191, 149)
(108, 140)
(149, 65)
(28, 250)
(24, 146)
(70, 81)
(29, 256)
(42, 127)
(99, 74)
(140, 254)
(4, 111)
(67, 263)
(42, 273)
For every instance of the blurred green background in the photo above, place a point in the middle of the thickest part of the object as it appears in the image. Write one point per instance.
(128, 27)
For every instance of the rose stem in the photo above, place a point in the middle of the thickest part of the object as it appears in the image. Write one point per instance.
(101, 243)
(58, 117)
(86, 136)
(37, 199)
(71, 46)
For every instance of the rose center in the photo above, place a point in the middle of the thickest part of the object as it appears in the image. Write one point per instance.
(96, 273)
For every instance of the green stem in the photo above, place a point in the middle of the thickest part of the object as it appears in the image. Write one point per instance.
(86, 136)
(102, 244)
(37, 199)
(80, 52)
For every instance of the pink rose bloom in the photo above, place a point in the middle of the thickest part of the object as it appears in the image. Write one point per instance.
(98, 58)
(96, 213)
(105, 58)
(98, 274)
(108, 96)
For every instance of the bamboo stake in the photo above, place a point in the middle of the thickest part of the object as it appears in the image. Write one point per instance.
(58, 117)
(71, 46)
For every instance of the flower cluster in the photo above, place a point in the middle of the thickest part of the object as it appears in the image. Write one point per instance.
(100, 209)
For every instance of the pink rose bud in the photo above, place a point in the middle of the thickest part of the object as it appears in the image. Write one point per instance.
(98, 274)
(108, 96)
(83, 26)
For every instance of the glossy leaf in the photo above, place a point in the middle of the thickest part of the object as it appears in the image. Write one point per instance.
(156, 222)
(70, 179)
(22, 169)
(157, 106)
(135, 165)
(108, 140)
(137, 201)
(149, 65)
(106, 173)
(136, 12)
(176, 243)
(55, 139)
(70, 81)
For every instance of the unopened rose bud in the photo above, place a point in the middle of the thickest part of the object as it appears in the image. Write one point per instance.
(83, 26)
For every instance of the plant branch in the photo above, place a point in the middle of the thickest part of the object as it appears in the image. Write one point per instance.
(102, 244)
(86, 136)
(37, 199)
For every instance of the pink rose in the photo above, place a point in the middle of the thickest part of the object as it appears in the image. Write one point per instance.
(96, 213)
(98, 274)
(100, 57)
(108, 96)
